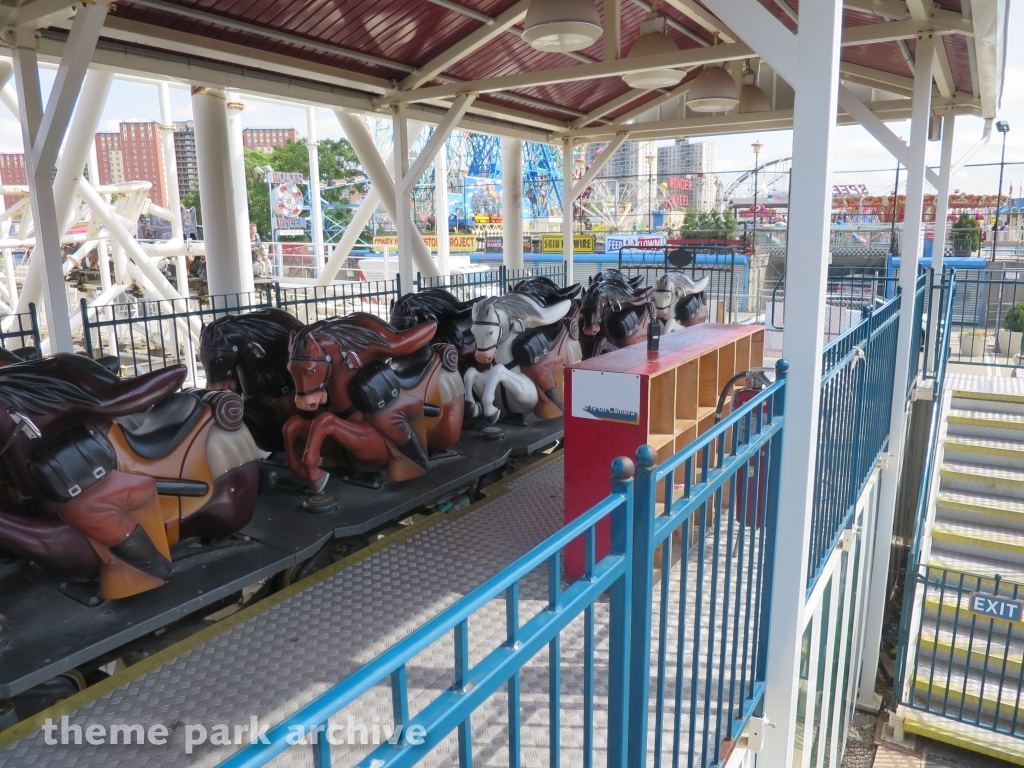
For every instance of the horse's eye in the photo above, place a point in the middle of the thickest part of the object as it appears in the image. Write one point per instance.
(311, 371)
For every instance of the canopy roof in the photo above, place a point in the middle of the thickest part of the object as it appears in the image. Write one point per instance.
(363, 54)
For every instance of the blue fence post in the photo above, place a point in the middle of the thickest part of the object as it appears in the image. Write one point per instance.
(502, 280)
(86, 335)
(277, 295)
(867, 313)
(398, 285)
(771, 529)
(620, 596)
(35, 325)
(642, 588)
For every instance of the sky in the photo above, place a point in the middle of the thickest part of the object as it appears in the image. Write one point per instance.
(855, 149)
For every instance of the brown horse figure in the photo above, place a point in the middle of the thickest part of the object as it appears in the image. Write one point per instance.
(381, 426)
(614, 314)
(248, 354)
(183, 466)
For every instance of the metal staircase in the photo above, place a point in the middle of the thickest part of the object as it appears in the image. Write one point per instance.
(964, 682)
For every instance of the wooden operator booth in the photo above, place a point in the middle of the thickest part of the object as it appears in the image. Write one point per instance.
(619, 401)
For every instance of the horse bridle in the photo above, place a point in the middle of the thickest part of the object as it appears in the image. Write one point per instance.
(512, 323)
(325, 358)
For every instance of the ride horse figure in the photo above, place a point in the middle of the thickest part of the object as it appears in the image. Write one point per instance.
(615, 313)
(342, 363)
(680, 301)
(248, 354)
(546, 292)
(80, 452)
(453, 318)
(527, 346)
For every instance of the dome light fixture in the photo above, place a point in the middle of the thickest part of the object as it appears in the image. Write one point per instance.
(713, 90)
(651, 42)
(562, 26)
(752, 98)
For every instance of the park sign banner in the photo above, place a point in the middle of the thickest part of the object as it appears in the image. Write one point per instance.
(553, 243)
(456, 243)
(615, 243)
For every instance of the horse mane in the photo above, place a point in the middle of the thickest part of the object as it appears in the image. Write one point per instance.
(259, 326)
(612, 290)
(545, 291)
(343, 332)
(514, 304)
(433, 302)
(669, 279)
(36, 387)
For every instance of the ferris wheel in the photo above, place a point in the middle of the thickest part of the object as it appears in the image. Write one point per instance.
(772, 177)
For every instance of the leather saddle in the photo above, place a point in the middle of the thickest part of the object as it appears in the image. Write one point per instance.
(410, 369)
(154, 433)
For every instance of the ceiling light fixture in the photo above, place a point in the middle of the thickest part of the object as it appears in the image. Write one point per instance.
(562, 26)
(713, 90)
(651, 42)
(752, 98)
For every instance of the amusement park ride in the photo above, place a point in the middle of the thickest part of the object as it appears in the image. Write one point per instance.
(128, 504)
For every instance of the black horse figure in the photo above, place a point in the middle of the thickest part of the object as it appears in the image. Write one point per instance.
(614, 313)
(453, 318)
(249, 354)
(546, 292)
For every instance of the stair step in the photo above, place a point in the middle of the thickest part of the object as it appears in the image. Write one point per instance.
(1015, 398)
(978, 423)
(965, 736)
(985, 540)
(996, 650)
(982, 477)
(949, 695)
(987, 568)
(982, 450)
(980, 508)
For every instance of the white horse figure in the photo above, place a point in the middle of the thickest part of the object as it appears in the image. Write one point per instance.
(673, 288)
(497, 322)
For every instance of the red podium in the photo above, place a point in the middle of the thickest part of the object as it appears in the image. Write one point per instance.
(617, 402)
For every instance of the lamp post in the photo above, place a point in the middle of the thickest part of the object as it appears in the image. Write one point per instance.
(756, 146)
(650, 191)
(895, 200)
(1004, 128)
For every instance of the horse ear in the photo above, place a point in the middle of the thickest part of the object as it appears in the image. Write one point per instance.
(291, 338)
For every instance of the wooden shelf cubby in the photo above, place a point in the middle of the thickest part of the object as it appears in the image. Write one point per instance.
(678, 390)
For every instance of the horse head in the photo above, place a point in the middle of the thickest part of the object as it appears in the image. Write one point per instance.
(605, 297)
(497, 319)
(672, 287)
(434, 304)
(545, 291)
(220, 354)
(324, 356)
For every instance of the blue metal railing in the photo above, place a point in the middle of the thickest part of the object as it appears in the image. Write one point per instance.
(24, 330)
(474, 683)
(719, 501)
(853, 427)
(720, 522)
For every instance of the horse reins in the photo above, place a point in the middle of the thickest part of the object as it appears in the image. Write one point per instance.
(511, 322)
(324, 358)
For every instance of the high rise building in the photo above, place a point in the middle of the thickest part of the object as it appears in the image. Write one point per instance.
(185, 156)
(689, 173)
(135, 153)
(265, 139)
(12, 171)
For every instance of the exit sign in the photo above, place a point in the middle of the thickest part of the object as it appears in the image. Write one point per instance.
(996, 607)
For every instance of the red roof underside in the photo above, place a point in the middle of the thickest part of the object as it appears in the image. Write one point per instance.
(409, 33)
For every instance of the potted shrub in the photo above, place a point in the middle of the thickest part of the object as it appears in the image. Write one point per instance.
(965, 235)
(972, 342)
(1011, 334)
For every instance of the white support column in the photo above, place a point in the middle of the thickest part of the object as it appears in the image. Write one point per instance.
(612, 30)
(360, 218)
(441, 209)
(512, 202)
(240, 204)
(403, 208)
(568, 203)
(315, 207)
(381, 178)
(910, 252)
(170, 163)
(814, 120)
(942, 194)
(216, 192)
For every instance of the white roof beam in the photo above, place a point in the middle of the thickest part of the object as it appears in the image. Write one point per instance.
(439, 136)
(609, 106)
(754, 24)
(599, 162)
(687, 58)
(705, 18)
(465, 47)
(897, 9)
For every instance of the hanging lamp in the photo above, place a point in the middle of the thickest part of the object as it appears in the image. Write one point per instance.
(752, 98)
(562, 25)
(713, 90)
(651, 42)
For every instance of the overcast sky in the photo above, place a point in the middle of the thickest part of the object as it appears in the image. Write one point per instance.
(854, 150)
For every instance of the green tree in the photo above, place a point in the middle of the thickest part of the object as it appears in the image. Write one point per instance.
(708, 226)
(966, 234)
(338, 163)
